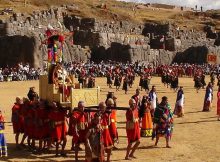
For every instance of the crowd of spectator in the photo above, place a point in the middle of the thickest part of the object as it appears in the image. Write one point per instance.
(22, 72)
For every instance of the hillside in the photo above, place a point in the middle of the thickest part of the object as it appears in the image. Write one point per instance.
(119, 11)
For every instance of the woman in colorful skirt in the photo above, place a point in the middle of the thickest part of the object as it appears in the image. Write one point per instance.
(3, 145)
(218, 103)
(146, 120)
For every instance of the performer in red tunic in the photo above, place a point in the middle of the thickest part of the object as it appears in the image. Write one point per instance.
(132, 129)
(42, 129)
(18, 120)
(58, 126)
(24, 112)
(105, 122)
(79, 126)
(31, 124)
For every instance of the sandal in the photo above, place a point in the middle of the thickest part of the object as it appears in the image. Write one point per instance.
(132, 156)
(63, 155)
(127, 158)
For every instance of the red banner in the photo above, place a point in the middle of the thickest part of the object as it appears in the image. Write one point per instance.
(211, 58)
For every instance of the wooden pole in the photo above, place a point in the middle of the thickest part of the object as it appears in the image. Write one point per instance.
(25, 3)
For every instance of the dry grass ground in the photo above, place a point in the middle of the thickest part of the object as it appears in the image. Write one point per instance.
(195, 138)
(116, 11)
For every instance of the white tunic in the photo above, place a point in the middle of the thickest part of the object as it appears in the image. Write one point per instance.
(154, 101)
(180, 102)
(210, 95)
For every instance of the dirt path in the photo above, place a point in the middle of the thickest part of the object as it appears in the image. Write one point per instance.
(195, 138)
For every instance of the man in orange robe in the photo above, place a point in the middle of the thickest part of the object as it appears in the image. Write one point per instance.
(113, 121)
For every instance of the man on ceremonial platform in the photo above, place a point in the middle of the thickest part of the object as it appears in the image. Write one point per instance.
(62, 81)
(54, 41)
(132, 129)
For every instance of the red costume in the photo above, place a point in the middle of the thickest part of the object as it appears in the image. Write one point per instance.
(17, 118)
(113, 126)
(25, 108)
(29, 111)
(106, 133)
(132, 125)
(58, 125)
(31, 124)
(42, 130)
(79, 126)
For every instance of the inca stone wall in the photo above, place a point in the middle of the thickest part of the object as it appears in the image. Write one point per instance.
(21, 37)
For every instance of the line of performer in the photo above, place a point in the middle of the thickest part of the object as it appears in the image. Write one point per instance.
(50, 123)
